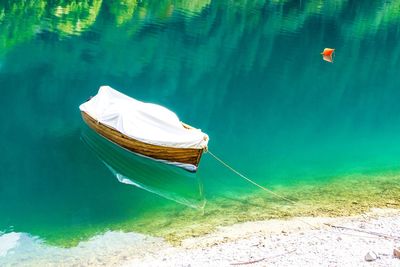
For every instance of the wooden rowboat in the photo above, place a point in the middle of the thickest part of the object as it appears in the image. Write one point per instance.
(187, 158)
(146, 129)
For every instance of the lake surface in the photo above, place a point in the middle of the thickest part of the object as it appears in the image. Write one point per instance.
(248, 73)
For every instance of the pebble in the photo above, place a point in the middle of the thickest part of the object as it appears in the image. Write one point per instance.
(370, 256)
(396, 252)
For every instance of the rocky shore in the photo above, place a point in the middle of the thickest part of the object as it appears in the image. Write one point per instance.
(369, 239)
(365, 240)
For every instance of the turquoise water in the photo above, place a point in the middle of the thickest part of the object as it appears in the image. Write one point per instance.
(249, 74)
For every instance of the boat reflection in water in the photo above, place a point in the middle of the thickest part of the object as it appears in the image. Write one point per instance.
(165, 180)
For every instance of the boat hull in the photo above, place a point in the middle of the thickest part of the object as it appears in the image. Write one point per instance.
(188, 158)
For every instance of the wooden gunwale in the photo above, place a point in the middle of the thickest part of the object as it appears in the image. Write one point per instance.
(181, 155)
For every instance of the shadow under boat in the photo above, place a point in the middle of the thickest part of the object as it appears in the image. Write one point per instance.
(167, 181)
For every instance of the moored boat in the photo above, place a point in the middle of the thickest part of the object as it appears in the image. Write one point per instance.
(146, 129)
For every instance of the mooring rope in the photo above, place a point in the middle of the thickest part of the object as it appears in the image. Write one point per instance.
(259, 186)
(250, 180)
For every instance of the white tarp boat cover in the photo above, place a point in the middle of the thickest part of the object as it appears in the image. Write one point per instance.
(146, 122)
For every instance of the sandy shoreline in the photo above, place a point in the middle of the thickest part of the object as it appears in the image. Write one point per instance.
(275, 242)
(287, 243)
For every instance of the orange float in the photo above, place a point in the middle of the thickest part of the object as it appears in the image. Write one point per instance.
(327, 54)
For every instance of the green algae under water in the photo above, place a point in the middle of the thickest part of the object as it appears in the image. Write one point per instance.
(249, 74)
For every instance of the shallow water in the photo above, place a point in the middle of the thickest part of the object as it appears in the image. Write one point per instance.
(249, 74)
